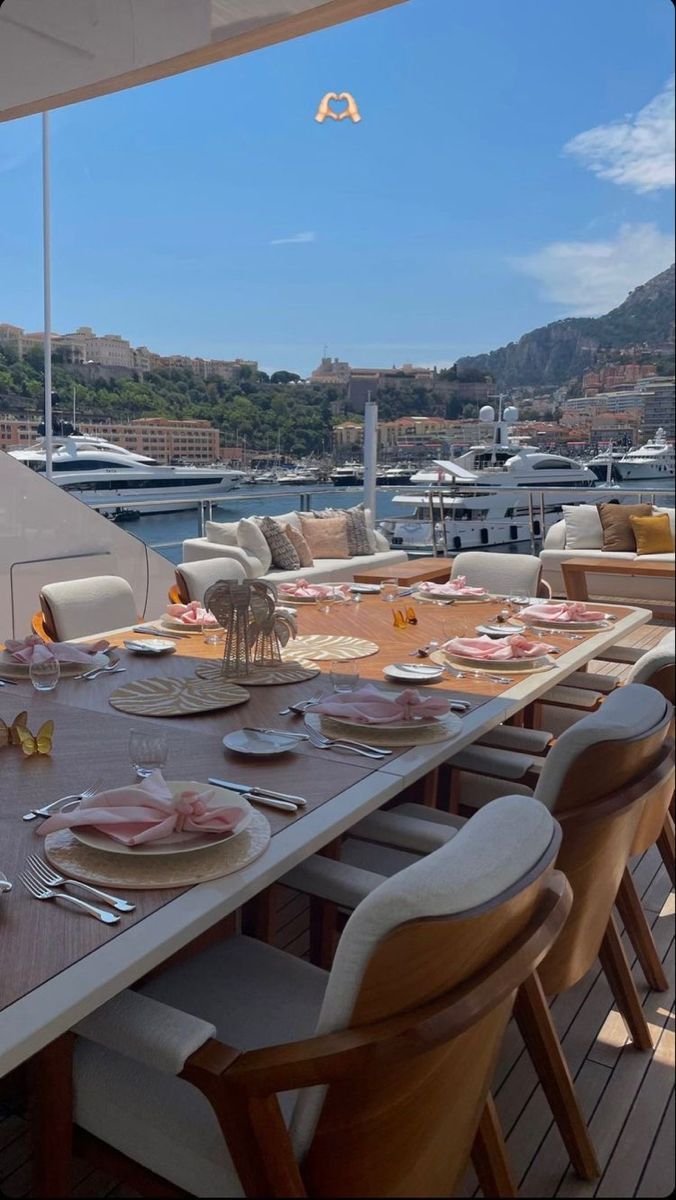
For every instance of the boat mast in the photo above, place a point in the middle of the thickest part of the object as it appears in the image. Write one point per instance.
(47, 290)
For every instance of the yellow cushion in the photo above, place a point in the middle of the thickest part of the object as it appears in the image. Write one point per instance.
(653, 534)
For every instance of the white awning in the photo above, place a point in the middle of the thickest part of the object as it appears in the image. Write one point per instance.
(455, 471)
(56, 52)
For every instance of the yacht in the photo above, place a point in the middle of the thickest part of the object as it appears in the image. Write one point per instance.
(605, 464)
(399, 476)
(655, 460)
(473, 501)
(298, 476)
(97, 472)
(351, 474)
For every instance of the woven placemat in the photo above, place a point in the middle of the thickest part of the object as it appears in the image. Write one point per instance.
(287, 672)
(321, 647)
(76, 861)
(166, 697)
(380, 735)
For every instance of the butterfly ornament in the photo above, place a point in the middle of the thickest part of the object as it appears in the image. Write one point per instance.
(18, 734)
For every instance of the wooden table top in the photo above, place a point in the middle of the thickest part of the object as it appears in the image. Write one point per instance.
(620, 566)
(416, 569)
(56, 966)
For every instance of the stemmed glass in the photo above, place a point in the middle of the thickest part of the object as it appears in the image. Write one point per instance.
(45, 675)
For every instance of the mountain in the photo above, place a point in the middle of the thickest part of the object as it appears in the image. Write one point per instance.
(559, 352)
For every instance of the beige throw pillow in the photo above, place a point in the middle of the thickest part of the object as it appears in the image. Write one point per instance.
(223, 533)
(300, 546)
(327, 538)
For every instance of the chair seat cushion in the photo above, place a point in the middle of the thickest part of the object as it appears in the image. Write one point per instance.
(514, 737)
(255, 995)
(490, 760)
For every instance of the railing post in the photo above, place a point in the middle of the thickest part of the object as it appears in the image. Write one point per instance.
(531, 530)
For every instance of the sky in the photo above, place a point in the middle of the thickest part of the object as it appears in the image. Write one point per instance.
(513, 165)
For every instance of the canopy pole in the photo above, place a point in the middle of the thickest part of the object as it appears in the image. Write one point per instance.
(47, 289)
(370, 453)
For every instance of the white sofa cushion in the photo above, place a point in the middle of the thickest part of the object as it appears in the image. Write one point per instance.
(224, 533)
(289, 518)
(584, 530)
(251, 539)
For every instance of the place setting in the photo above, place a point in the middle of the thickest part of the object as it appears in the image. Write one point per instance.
(451, 592)
(389, 717)
(496, 656)
(566, 614)
(152, 833)
(46, 663)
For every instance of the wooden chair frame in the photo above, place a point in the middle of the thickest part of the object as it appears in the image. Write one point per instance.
(517, 930)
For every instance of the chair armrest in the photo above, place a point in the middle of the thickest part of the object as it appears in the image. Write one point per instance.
(146, 1030)
(333, 880)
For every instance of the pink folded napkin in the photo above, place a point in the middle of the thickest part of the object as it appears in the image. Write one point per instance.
(34, 650)
(147, 812)
(566, 610)
(454, 587)
(300, 589)
(503, 650)
(368, 706)
(191, 614)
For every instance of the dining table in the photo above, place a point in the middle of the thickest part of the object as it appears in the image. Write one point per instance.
(56, 965)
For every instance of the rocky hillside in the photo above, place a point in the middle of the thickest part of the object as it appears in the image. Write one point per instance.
(559, 352)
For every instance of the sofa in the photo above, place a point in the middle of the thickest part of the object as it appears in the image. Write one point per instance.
(223, 541)
(559, 547)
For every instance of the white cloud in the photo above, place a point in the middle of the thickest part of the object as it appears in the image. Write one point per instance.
(637, 151)
(295, 239)
(589, 278)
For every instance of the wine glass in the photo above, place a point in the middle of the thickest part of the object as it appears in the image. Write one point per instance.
(45, 675)
(147, 752)
(344, 676)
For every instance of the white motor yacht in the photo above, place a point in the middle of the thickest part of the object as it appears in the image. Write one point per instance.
(350, 474)
(99, 472)
(654, 460)
(474, 500)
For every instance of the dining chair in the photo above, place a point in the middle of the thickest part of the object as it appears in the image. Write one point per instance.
(193, 578)
(598, 780)
(76, 607)
(246, 1070)
(504, 574)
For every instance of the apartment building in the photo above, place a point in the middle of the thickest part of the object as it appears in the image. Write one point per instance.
(658, 406)
(161, 438)
(606, 379)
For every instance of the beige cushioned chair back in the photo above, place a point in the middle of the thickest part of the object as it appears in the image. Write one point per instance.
(79, 607)
(195, 577)
(506, 574)
(445, 909)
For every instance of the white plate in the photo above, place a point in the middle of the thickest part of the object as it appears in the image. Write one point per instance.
(152, 646)
(412, 673)
(543, 623)
(498, 666)
(449, 598)
(177, 623)
(451, 721)
(244, 741)
(177, 843)
(500, 630)
(9, 665)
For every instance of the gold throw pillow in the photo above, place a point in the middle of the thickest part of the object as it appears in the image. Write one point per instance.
(653, 534)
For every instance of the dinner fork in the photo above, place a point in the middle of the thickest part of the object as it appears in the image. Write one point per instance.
(46, 810)
(299, 707)
(113, 669)
(39, 892)
(45, 874)
(321, 742)
(456, 674)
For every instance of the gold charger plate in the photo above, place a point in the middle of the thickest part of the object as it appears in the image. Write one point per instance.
(166, 697)
(521, 666)
(382, 735)
(71, 858)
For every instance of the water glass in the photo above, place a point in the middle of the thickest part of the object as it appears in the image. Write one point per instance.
(389, 591)
(344, 676)
(147, 752)
(213, 634)
(45, 675)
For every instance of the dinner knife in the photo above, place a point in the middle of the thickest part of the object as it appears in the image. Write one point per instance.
(158, 632)
(258, 791)
(284, 805)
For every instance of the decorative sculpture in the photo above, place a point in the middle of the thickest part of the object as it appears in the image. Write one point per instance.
(255, 629)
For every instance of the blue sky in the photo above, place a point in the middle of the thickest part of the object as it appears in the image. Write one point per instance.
(512, 166)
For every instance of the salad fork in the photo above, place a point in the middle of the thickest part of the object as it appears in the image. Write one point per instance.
(39, 892)
(299, 707)
(325, 743)
(113, 669)
(46, 810)
(51, 879)
(456, 674)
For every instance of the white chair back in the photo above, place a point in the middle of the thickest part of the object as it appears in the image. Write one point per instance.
(505, 574)
(75, 608)
(194, 578)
